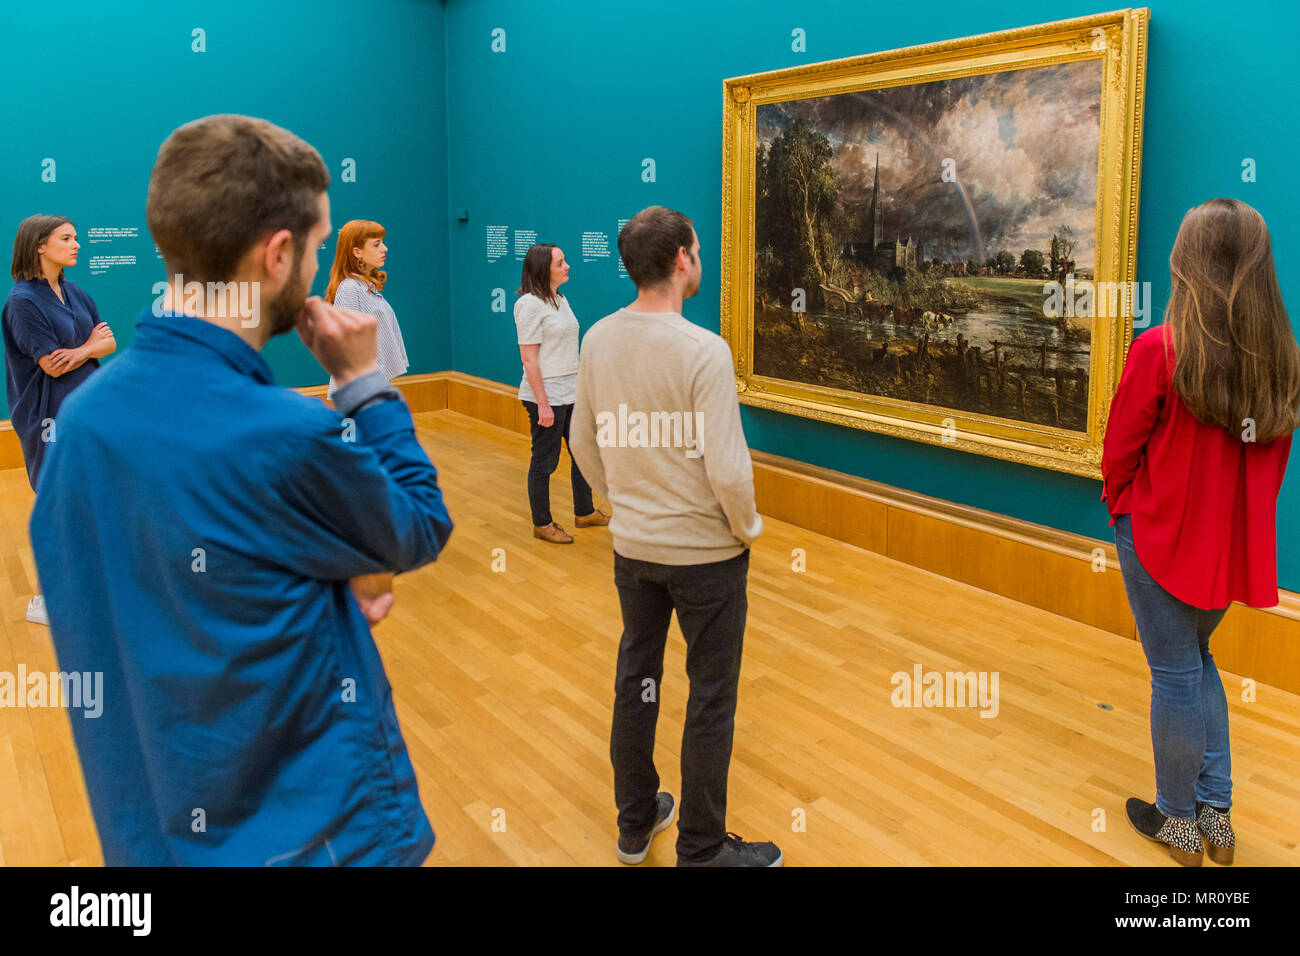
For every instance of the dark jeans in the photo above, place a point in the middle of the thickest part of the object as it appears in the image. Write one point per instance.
(1189, 710)
(711, 605)
(546, 456)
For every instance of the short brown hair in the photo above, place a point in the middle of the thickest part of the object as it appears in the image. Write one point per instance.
(649, 244)
(223, 182)
(32, 231)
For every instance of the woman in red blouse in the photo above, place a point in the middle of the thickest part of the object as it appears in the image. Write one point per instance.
(1196, 446)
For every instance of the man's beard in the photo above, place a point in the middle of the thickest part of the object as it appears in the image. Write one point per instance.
(692, 289)
(282, 311)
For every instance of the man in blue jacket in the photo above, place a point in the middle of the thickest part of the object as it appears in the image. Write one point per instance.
(208, 541)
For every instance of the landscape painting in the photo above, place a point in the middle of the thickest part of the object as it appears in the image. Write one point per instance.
(922, 223)
(920, 254)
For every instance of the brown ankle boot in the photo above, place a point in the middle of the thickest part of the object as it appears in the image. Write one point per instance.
(1216, 829)
(597, 518)
(1181, 835)
(553, 533)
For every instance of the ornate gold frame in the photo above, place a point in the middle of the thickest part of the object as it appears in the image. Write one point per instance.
(1122, 36)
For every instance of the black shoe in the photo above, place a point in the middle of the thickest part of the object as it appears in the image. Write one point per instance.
(1216, 827)
(630, 851)
(736, 852)
(1180, 835)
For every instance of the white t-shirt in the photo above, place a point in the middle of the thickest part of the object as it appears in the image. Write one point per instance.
(555, 329)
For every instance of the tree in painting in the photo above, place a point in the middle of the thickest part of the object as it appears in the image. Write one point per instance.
(904, 235)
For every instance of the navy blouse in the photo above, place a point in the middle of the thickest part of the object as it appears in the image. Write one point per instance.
(35, 324)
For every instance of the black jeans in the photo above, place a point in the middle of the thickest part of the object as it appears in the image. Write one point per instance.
(546, 456)
(711, 605)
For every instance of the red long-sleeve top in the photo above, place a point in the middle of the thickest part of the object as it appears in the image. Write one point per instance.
(1203, 500)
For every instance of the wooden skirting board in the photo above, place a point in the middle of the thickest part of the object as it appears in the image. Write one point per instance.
(1055, 570)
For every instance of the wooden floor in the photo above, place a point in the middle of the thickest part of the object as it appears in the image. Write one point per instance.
(504, 681)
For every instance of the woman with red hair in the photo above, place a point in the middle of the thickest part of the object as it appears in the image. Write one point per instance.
(356, 283)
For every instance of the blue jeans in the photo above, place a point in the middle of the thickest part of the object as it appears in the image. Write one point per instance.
(1189, 710)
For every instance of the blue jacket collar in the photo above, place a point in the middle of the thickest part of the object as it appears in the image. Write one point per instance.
(174, 332)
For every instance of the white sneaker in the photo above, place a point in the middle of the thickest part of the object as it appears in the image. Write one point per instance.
(36, 611)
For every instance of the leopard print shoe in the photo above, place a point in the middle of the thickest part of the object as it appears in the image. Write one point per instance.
(1181, 835)
(1216, 826)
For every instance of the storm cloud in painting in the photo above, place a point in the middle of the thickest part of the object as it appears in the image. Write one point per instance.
(1023, 146)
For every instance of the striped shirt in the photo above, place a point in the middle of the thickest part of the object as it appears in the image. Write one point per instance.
(352, 294)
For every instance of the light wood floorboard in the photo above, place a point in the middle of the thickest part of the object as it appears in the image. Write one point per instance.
(504, 680)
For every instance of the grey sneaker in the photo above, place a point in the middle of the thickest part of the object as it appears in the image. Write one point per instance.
(736, 852)
(634, 851)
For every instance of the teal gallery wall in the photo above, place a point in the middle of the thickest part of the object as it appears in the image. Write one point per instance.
(96, 87)
(550, 135)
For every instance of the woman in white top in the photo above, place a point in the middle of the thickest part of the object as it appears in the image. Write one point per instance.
(356, 283)
(548, 347)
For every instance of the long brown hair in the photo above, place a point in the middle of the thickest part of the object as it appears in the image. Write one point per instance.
(537, 273)
(1235, 353)
(354, 235)
(32, 231)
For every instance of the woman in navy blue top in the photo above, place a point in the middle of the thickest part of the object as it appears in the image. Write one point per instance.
(53, 340)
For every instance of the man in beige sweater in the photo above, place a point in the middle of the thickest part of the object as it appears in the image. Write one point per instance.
(656, 430)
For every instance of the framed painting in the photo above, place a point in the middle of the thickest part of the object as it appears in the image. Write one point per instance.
(939, 242)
